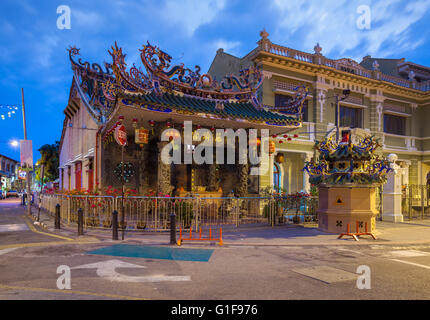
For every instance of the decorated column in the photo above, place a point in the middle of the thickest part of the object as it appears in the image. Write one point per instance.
(164, 172)
(306, 184)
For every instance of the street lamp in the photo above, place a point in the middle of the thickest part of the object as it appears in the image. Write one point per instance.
(14, 143)
(345, 94)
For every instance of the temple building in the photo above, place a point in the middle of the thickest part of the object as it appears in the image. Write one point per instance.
(387, 98)
(145, 104)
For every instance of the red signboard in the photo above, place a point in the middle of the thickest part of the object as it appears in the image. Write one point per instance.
(120, 135)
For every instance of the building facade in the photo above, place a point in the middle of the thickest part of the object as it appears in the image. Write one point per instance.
(388, 98)
(8, 172)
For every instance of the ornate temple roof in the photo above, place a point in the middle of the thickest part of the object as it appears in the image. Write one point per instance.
(176, 89)
(347, 163)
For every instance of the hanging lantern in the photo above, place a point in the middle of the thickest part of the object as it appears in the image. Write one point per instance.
(272, 147)
(168, 124)
(152, 124)
(280, 158)
(296, 136)
(289, 139)
(134, 123)
(274, 136)
(285, 136)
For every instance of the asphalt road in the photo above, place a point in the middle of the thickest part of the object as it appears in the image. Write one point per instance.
(29, 262)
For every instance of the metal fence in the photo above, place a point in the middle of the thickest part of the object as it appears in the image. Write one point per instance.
(416, 201)
(153, 213)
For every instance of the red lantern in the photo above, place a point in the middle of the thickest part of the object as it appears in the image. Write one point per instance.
(280, 141)
(285, 136)
(289, 139)
(296, 136)
(274, 136)
(272, 147)
(152, 123)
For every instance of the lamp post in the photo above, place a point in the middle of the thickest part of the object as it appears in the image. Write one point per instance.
(42, 173)
(338, 98)
(28, 172)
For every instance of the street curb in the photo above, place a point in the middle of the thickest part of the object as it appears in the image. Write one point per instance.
(41, 224)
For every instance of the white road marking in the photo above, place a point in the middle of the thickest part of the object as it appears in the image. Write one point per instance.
(106, 270)
(4, 251)
(353, 251)
(411, 263)
(13, 227)
(409, 253)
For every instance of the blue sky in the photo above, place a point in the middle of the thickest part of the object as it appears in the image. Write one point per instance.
(33, 50)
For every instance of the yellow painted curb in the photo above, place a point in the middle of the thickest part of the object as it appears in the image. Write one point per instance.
(47, 243)
(32, 228)
(115, 296)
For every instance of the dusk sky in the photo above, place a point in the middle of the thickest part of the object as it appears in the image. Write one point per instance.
(33, 50)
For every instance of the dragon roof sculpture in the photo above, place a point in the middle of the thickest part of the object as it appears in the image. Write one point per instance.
(101, 89)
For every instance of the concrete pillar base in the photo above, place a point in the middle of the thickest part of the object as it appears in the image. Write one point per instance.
(391, 217)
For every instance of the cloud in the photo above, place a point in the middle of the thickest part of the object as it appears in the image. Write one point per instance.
(333, 23)
(43, 50)
(89, 19)
(191, 14)
(228, 46)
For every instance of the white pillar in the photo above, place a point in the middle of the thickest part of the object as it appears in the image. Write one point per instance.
(306, 184)
(392, 195)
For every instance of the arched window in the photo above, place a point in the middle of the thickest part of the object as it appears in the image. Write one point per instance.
(276, 177)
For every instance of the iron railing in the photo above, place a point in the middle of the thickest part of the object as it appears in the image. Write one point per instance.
(153, 213)
(415, 201)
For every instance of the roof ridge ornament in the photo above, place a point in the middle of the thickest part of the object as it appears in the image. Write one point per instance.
(317, 49)
(375, 65)
(264, 34)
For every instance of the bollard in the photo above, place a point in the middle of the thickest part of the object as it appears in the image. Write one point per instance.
(80, 222)
(57, 216)
(172, 228)
(115, 225)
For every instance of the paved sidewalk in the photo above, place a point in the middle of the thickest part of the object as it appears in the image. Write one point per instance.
(387, 233)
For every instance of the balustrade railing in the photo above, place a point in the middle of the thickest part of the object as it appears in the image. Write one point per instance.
(339, 65)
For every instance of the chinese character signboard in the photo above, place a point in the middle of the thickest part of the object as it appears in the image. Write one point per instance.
(141, 136)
